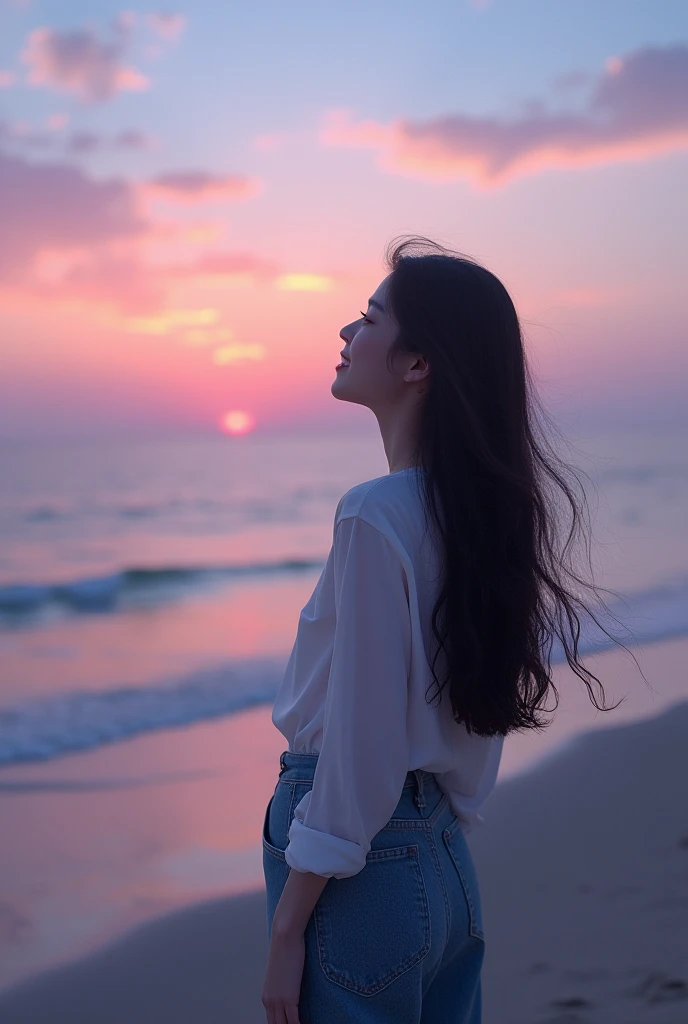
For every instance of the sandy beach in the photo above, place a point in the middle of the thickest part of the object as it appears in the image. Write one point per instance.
(583, 863)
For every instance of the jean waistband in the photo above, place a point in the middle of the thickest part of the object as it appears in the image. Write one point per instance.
(305, 768)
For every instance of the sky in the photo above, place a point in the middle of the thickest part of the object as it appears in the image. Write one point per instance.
(194, 201)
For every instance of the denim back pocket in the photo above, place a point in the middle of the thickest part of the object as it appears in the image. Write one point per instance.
(373, 926)
(275, 867)
(455, 842)
(268, 846)
(279, 815)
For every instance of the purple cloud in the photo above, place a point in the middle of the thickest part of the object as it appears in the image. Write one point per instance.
(58, 206)
(79, 143)
(79, 62)
(636, 110)
(89, 142)
(195, 186)
(84, 142)
(66, 235)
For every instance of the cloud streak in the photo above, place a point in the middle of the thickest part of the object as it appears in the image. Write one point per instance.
(80, 142)
(81, 63)
(200, 186)
(130, 140)
(636, 110)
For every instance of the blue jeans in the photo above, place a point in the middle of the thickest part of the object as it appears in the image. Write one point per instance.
(402, 941)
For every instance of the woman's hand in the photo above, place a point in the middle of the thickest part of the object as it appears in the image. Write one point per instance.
(288, 946)
(282, 985)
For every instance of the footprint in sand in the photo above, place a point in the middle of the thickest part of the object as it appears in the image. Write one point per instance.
(569, 1006)
(572, 1003)
(657, 987)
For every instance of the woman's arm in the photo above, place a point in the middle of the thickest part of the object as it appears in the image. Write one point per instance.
(363, 761)
(299, 896)
(287, 953)
(362, 764)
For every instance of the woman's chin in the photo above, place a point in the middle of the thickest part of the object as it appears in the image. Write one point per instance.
(338, 387)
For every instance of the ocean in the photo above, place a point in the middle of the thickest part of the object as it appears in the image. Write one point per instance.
(149, 597)
(146, 585)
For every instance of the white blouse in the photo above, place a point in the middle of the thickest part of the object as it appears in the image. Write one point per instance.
(354, 686)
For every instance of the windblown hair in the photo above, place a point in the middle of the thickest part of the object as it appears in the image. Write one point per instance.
(507, 510)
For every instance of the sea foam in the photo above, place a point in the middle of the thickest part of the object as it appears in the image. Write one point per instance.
(47, 727)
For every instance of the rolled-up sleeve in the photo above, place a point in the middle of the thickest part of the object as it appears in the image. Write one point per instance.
(362, 763)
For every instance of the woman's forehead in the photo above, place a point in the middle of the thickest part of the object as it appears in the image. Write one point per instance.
(379, 295)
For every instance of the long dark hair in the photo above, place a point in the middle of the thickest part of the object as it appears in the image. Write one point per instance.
(493, 486)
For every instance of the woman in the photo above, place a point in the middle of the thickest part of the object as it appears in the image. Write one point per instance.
(452, 562)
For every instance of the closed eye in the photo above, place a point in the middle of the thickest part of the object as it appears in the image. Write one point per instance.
(367, 320)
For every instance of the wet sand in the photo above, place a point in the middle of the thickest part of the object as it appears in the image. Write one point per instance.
(583, 866)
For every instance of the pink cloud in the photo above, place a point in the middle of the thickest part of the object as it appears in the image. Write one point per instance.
(168, 26)
(6, 79)
(58, 206)
(80, 63)
(116, 279)
(116, 276)
(636, 111)
(69, 237)
(230, 264)
(199, 186)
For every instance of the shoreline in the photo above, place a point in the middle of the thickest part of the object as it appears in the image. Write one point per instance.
(583, 868)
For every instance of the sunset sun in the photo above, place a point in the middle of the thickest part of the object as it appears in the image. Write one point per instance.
(237, 422)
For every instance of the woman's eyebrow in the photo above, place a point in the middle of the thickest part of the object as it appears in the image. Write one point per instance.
(372, 302)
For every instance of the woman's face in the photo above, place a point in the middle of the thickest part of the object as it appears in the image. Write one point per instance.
(366, 379)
